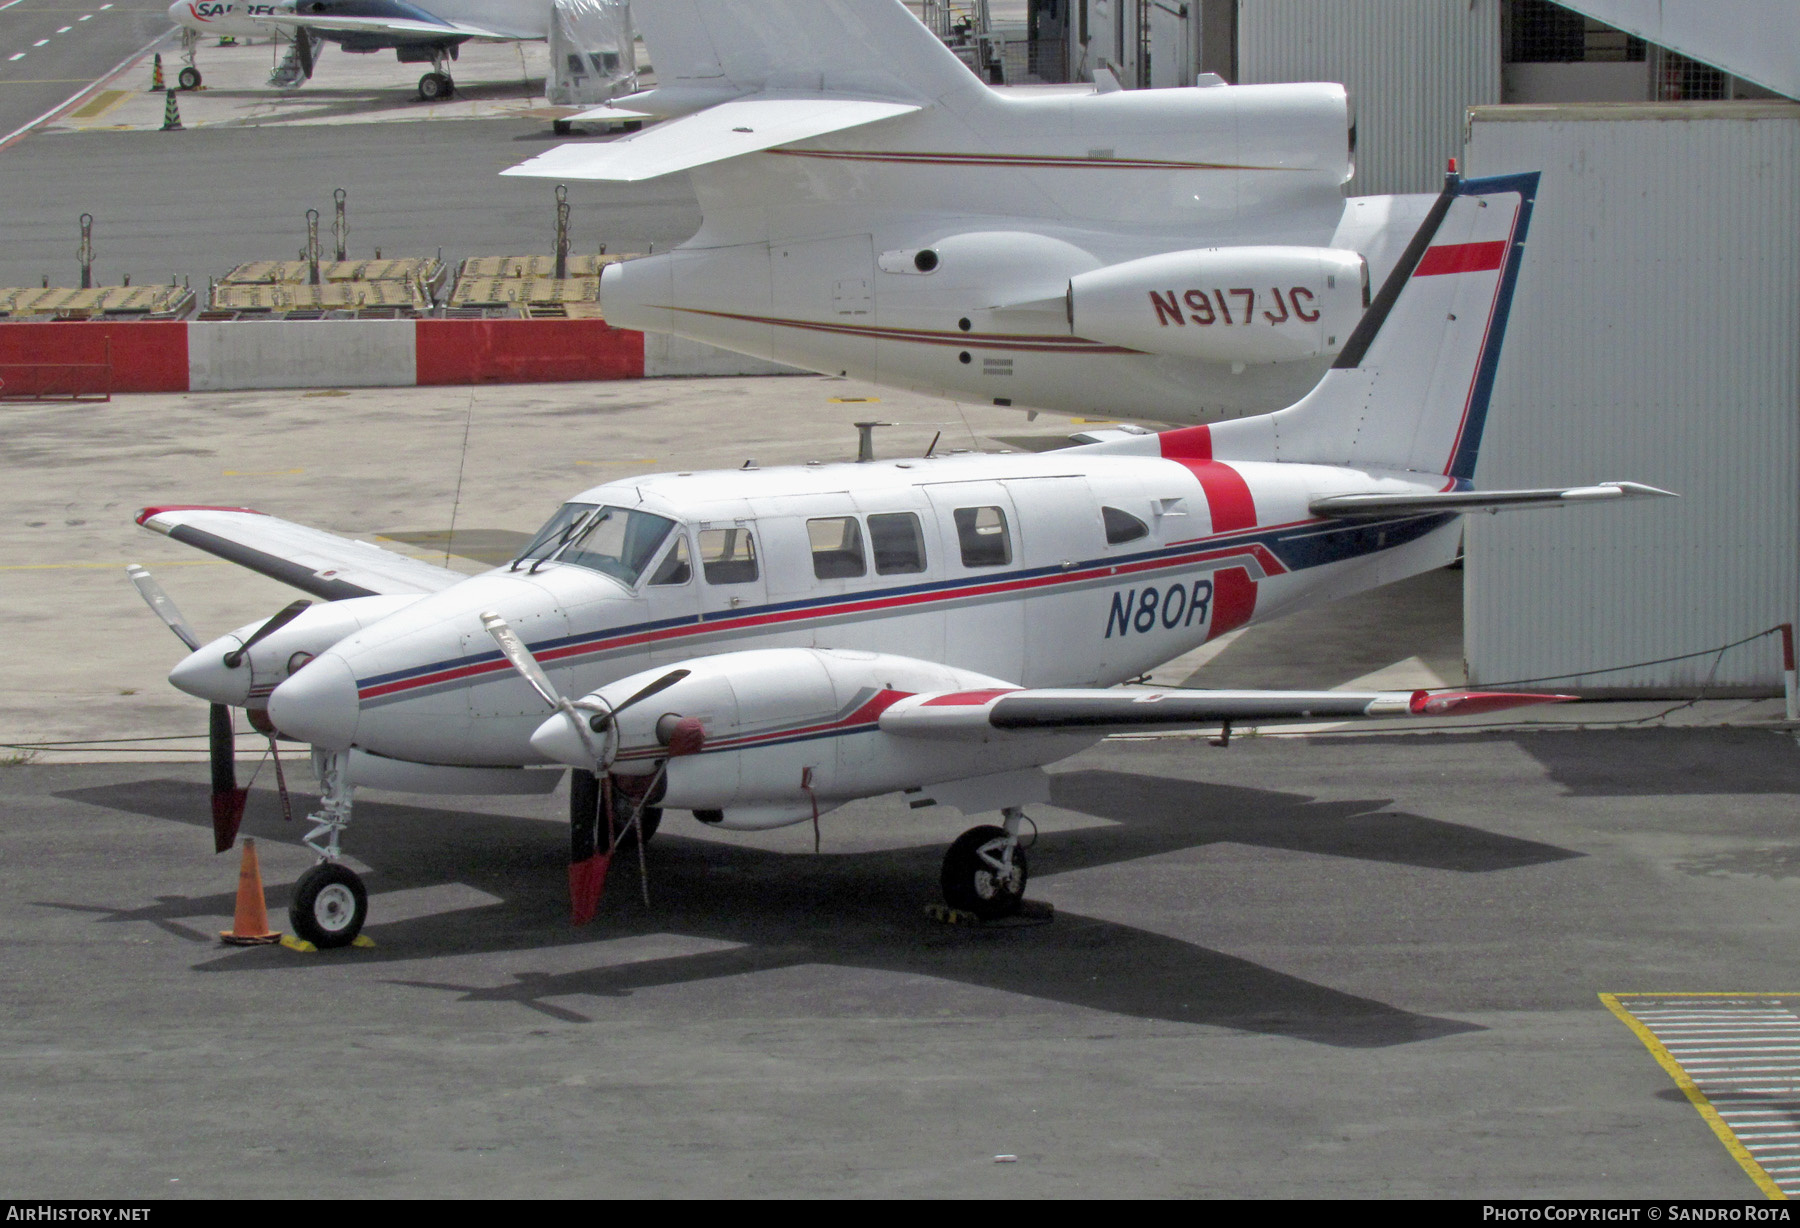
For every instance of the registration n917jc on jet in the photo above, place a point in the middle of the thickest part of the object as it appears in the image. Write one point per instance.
(761, 646)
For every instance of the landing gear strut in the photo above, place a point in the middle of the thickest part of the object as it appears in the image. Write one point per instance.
(330, 904)
(436, 85)
(189, 77)
(985, 871)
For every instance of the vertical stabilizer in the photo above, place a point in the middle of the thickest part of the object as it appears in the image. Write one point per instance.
(863, 47)
(1410, 388)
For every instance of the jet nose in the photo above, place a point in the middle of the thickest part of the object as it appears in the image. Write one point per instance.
(178, 13)
(204, 674)
(557, 740)
(319, 704)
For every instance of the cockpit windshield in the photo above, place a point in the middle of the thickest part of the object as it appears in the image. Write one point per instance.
(614, 541)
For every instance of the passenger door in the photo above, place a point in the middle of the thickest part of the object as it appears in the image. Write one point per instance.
(976, 538)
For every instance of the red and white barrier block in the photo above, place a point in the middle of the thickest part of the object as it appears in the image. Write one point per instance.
(207, 356)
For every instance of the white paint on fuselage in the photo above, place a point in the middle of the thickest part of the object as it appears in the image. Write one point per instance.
(1050, 617)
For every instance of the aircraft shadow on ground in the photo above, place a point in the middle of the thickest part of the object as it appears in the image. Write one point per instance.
(859, 910)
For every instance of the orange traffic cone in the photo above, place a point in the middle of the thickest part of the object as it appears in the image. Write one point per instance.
(250, 927)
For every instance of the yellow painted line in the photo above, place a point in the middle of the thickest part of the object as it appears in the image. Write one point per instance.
(100, 104)
(120, 566)
(260, 473)
(854, 400)
(1667, 1061)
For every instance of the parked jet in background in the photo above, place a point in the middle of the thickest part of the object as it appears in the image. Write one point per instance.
(426, 32)
(872, 208)
(760, 646)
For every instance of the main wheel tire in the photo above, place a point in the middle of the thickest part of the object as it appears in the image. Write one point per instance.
(650, 820)
(561, 127)
(330, 905)
(188, 78)
(435, 87)
(972, 880)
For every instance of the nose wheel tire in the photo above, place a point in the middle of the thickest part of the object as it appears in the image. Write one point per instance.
(435, 87)
(330, 906)
(979, 878)
(188, 78)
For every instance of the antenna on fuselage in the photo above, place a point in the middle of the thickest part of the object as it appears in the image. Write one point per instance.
(865, 440)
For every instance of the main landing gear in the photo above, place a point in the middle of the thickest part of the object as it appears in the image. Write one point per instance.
(330, 903)
(436, 85)
(985, 871)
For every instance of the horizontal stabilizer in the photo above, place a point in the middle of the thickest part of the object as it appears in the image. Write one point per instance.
(1340, 507)
(314, 561)
(728, 130)
(1123, 709)
(400, 27)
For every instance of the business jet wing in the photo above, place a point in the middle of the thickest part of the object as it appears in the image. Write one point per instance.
(314, 561)
(1351, 506)
(403, 27)
(965, 714)
(728, 130)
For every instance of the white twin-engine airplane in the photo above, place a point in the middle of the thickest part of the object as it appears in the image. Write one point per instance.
(760, 646)
(425, 32)
(872, 208)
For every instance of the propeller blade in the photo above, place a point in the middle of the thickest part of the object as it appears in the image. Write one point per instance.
(588, 857)
(159, 602)
(282, 618)
(303, 37)
(227, 798)
(655, 688)
(520, 656)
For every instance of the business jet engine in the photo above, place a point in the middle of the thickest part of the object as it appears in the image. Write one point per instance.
(793, 732)
(1225, 304)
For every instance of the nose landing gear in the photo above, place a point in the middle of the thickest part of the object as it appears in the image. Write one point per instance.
(330, 903)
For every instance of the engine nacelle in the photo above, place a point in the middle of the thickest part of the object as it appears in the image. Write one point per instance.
(205, 673)
(794, 731)
(1225, 304)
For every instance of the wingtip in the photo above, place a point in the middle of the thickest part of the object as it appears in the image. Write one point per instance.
(1471, 703)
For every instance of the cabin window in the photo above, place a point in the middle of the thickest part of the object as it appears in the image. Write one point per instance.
(898, 542)
(1122, 527)
(728, 556)
(675, 567)
(837, 548)
(981, 531)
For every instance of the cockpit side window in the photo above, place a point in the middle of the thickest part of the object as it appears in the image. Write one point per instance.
(675, 567)
(728, 556)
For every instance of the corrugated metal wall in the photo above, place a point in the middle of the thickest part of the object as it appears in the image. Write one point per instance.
(1411, 66)
(1655, 337)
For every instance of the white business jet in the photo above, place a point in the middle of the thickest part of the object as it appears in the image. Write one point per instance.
(760, 646)
(421, 32)
(872, 208)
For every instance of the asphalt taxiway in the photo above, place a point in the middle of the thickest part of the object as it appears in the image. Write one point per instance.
(1323, 967)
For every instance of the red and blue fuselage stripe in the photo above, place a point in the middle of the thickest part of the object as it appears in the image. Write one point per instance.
(1274, 550)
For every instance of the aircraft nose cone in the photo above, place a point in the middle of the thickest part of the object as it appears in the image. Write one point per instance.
(204, 675)
(557, 740)
(318, 704)
(178, 12)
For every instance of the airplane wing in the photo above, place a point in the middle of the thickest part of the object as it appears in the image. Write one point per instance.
(314, 561)
(1353, 506)
(962, 714)
(402, 27)
(728, 130)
